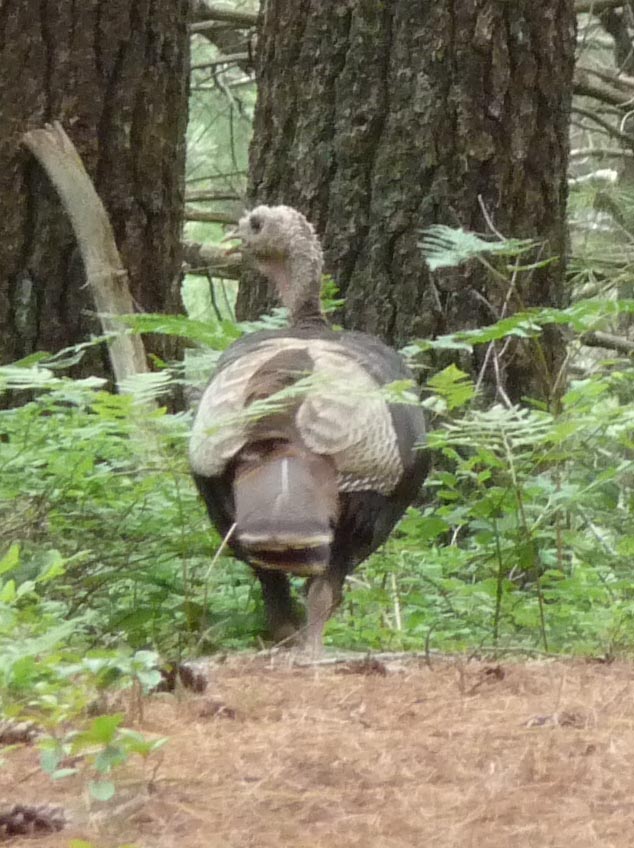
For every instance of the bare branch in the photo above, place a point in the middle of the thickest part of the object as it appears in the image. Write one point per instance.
(205, 259)
(609, 128)
(601, 153)
(232, 59)
(604, 93)
(595, 7)
(229, 38)
(192, 214)
(240, 83)
(215, 13)
(601, 42)
(608, 340)
(621, 81)
(208, 177)
(616, 25)
(202, 196)
(602, 176)
(105, 274)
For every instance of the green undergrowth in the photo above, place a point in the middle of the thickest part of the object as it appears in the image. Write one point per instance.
(522, 543)
(528, 544)
(526, 541)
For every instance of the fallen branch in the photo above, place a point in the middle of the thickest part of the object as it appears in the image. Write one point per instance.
(106, 277)
(599, 339)
(204, 259)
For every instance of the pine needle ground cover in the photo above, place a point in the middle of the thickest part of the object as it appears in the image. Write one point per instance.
(456, 753)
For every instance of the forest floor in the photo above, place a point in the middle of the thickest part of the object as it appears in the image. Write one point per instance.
(378, 753)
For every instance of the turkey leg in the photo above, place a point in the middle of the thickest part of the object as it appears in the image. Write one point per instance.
(282, 617)
(324, 594)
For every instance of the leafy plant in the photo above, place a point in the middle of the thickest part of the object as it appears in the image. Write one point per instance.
(102, 747)
(446, 247)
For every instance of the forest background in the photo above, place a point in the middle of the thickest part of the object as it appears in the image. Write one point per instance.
(524, 539)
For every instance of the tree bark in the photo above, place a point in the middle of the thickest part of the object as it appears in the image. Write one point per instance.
(114, 73)
(379, 119)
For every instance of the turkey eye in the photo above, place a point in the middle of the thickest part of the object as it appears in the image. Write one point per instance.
(256, 223)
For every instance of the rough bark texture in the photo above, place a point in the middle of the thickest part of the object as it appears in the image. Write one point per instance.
(114, 73)
(379, 119)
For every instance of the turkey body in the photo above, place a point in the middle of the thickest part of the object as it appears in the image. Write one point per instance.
(304, 463)
(369, 462)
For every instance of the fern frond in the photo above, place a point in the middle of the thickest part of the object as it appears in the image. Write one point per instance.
(497, 429)
(217, 335)
(447, 247)
(149, 386)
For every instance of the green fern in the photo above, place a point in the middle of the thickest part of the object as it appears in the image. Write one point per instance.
(582, 317)
(216, 335)
(446, 247)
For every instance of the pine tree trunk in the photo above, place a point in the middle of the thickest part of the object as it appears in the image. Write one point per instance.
(379, 119)
(114, 73)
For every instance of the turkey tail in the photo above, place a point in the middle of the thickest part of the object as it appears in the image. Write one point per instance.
(286, 507)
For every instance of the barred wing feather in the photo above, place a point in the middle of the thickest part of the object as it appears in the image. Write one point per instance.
(342, 414)
(346, 416)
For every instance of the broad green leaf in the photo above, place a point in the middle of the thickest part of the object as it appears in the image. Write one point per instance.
(11, 559)
(102, 730)
(8, 592)
(101, 790)
(453, 385)
(59, 774)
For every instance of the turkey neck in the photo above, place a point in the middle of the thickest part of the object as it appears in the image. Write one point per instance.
(297, 280)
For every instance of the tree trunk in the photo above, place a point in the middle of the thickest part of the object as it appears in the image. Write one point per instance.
(379, 119)
(114, 73)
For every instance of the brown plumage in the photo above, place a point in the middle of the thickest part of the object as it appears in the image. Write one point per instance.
(295, 443)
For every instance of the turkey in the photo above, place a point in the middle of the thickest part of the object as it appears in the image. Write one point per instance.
(295, 449)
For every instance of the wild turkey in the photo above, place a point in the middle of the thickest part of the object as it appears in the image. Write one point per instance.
(316, 478)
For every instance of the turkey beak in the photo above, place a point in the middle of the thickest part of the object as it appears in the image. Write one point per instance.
(232, 235)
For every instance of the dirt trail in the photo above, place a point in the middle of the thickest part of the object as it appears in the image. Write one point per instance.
(463, 754)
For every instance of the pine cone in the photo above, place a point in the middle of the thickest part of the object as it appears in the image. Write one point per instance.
(27, 819)
(13, 731)
(188, 676)
(368, 665)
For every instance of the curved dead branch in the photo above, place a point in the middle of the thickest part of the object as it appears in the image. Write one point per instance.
(106, 276)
